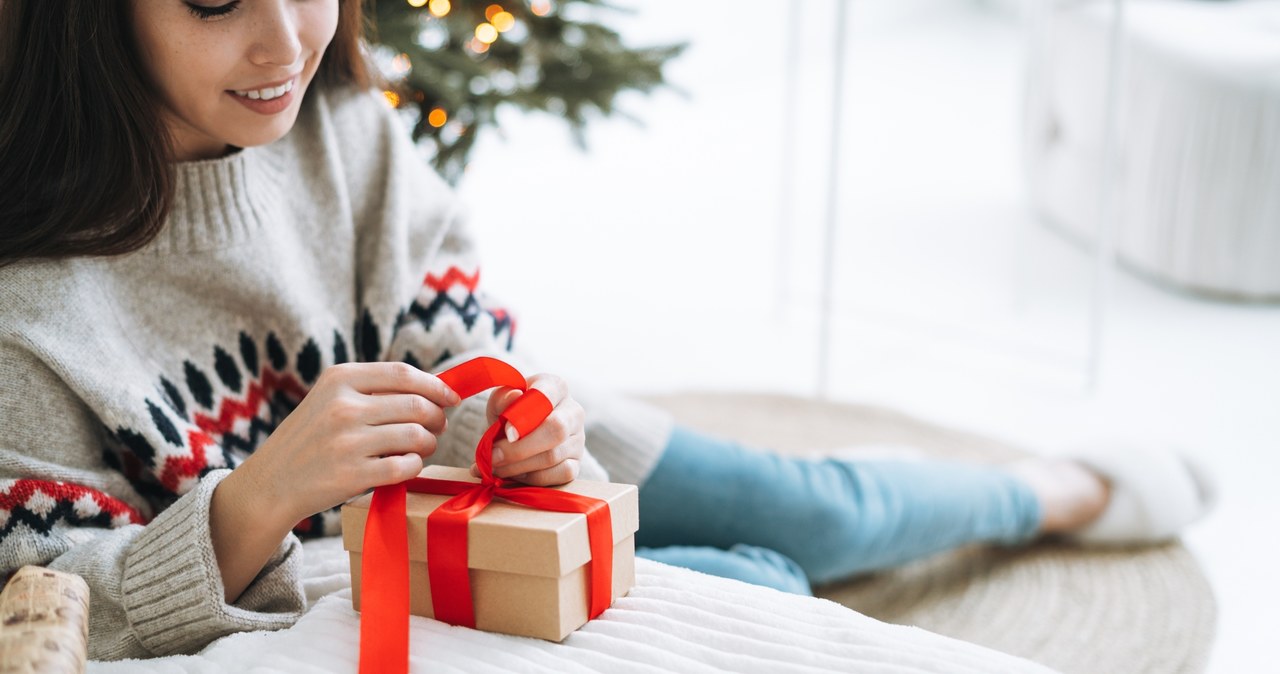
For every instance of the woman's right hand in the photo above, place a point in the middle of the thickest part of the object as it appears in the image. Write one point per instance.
(362, 425)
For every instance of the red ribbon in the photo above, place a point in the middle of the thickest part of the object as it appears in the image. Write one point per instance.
(384, 589)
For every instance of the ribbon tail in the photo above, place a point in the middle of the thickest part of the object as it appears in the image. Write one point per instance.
(447, 556)
(384, 585)
(600, 537)
(599, 534)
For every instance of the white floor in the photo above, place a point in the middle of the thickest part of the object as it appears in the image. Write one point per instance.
(656, 261)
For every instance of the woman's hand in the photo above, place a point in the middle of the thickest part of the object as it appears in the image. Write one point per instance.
(551, 453)
(362, 425)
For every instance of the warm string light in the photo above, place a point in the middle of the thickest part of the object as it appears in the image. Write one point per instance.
(401, 65)
(422, 37)
(503, 21)
(499, 21)
(486, 33)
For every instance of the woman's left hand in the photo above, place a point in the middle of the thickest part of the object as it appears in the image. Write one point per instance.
(551, 453)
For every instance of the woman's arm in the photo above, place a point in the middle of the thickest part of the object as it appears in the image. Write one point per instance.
(245, 530)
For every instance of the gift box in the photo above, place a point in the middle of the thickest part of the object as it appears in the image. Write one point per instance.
(529, 568)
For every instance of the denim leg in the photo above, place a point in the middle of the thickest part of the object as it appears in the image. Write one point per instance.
(748, 563)
(835, 518)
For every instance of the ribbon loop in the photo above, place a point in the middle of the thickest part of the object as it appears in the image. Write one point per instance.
(528, 411)
(481, 374)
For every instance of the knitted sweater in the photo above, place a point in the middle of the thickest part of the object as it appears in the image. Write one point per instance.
(130, 384)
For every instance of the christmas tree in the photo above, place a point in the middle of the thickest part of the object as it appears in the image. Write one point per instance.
(450, 65)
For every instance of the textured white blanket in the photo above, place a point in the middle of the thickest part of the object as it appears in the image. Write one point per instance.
(674, 620)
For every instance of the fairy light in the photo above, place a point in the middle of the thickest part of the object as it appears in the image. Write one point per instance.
(540, 7)
(503, 21)
(401, 65)
(439, 7)
(393, 99)
(477, 46)
(492, 10)
(437, 117)
(486, 33)
(417, 3)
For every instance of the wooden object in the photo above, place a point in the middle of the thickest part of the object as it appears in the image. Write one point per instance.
(44, 623)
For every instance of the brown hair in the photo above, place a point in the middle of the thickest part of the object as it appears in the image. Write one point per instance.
(85, 160)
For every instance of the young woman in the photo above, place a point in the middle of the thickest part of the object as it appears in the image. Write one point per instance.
(221, 250)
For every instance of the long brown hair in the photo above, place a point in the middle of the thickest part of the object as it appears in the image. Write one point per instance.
(85, 160)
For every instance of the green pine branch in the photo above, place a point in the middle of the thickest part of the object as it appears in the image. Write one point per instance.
(555, 64)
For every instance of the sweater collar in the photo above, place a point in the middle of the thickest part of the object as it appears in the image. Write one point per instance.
(222, 201)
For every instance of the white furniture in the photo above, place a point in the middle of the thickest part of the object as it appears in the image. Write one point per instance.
(1100, 205)
(1198, 179)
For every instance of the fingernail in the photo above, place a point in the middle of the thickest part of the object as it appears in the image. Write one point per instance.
(497, 456)
(454, 398)
(512, 435)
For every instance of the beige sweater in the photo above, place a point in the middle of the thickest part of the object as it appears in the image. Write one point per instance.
(129, 385)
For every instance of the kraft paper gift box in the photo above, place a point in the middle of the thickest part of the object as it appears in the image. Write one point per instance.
(529, 568)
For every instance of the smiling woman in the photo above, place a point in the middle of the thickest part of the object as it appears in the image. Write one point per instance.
(232, 73)
(111, 99)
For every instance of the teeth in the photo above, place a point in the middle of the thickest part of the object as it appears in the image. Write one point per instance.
(268, 93)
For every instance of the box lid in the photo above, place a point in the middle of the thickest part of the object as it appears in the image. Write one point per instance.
(508, 537)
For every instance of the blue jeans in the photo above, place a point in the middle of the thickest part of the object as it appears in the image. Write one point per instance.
(715, 506)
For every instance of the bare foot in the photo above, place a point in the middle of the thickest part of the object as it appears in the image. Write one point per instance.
(1071, 496)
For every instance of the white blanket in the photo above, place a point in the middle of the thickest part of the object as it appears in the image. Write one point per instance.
(674, 620)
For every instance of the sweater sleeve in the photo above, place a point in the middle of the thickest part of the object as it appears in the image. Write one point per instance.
(419, 275)
(154, 581)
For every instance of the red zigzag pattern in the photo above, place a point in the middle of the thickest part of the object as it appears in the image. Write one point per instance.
(178, 469)
(453, 276)
(20, 492)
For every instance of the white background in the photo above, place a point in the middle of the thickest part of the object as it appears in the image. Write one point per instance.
(667, 258)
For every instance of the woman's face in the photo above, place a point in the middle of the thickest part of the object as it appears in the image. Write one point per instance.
(231, 73)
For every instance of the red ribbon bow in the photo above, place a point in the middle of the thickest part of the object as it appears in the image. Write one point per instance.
(384, 589)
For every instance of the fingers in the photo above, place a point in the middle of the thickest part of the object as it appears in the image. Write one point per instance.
(554, 388)
(371, 378)
(500, 400)
(394, 469)
(404, 408)
(391, 439)
(556, 475)
(558, 439)
(396, 452)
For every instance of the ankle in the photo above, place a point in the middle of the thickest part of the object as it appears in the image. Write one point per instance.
(1070, 495)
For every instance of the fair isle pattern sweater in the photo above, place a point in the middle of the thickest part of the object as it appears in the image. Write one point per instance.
(130, 385)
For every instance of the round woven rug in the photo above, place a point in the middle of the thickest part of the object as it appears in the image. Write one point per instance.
(1073, 609)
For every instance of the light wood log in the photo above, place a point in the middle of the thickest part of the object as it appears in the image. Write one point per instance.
(44, 623)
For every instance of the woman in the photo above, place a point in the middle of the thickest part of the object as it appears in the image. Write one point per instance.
(220, 251)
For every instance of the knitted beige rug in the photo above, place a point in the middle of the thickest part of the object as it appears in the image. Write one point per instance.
(1073, 609)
